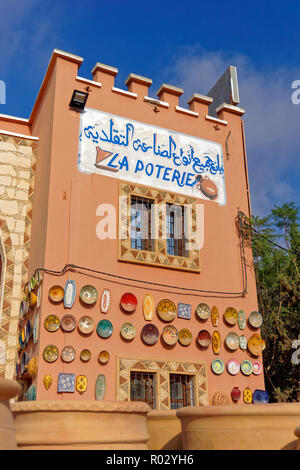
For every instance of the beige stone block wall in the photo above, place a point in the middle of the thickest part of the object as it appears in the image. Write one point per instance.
(17, 168)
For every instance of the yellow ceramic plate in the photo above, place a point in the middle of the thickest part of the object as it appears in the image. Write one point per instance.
(256, 345)
(103, 357)
(166, 310)
(231, 315)
(85, 355)
(50, 353)
(216, 342)
(52, 323)
(148, 307)
(214, 315)
(81, 383)
(56, 293)
(185, 337)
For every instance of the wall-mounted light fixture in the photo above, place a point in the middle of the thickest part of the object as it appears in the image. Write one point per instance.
(78, 100)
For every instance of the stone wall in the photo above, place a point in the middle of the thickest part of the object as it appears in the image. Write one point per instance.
(17, 168)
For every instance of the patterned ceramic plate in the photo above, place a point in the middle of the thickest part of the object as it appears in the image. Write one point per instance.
(88, 294)
(241, 319)
(256, 345)
(214, 315)
(255, 319)
(166, 310)
(52, 323)
(104, 328)
(233, 366)
(185, 337)
(246, 367)
(203, 311)
(150, 334)
(68, 354)
(170, 335)
(50, 353)
(216, 342)
(218, 366)
(128, 331)
(231, 315)
(86, 325)
(103, 357)
(257, 367)
(204, 338)
(232, 341)
(68, 323)
(85, 355)
(128, 302)
(105, 301)
(56, 293)
(148, 307)
(243, 342)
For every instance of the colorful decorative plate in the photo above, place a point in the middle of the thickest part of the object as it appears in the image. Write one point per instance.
(184, 311)
(104, 328)
(103, 357)
(150, 334)
(66, 383)
(32, 367)
(231, 315)
(56, 293)
(246, 367)
(243, 342)
(247, 395)
(214, 315)
(88, 294)
(232, 341)
(255, 319)
(170, 335)
(128, 331)
(68, 354)
(260, 396)
(233, 366)
(203, 311)
(85, 355)
(257, 367)
(70, 294)
(50, 353)
(23, 309)
(81, 383)
(185, 337)
(256, 345)
(86, 325)
(100, 387)
(148, 307)
(68, 323)
(204, 338)
(166, 310)
(47, 380)
(105, 301)
(241, 319)
(218, 366)
(128, 302)
(52, 323)
(216, 342)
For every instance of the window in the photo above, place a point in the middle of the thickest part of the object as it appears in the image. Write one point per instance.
(175, 222)
(143, 388)
(141, 220)
(181, 391)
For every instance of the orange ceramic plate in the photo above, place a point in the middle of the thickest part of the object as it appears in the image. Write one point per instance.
(56, 293)
(256, 345)
(231, 315)
(185, 337)
(148, 307)
(166, 310)
(216, 342)
(214, 316)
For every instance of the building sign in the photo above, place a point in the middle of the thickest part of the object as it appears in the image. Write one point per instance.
(152, 156)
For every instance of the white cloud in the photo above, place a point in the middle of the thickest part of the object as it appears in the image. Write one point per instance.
(271, 120)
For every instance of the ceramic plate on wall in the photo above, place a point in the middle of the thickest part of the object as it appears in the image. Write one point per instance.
(148, 307)
(56, 293)
(150, 334)
(204, 338)
(103, 357)
(255, 319)
(104, 328)
(70, 294)
(100, 387)
(128, 331)
(50, 353)
(203, 311)
(68, 323)
(217, 366)
(166, 310)
(246, 367)
(184, 310)
(66, 383)
(233, 366)
(214, 315)
(216, 342)
(243, 342)
(85, 355)
(81, 383)
(105, 301)
(241, 319)
(68, 354)
(52, 323)
(185, 337)
(256, 345)
(232, 341)
(86, 325)
(88, 294)
(231, 315)
(257, 367)
(170, 335)
(128, 302)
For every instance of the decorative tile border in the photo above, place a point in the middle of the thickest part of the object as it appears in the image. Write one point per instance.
(162, 369)
(159, 257)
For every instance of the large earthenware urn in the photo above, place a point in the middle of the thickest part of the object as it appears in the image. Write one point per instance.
(8, 389)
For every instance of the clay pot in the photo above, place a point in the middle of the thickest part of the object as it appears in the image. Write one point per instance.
(8, 389)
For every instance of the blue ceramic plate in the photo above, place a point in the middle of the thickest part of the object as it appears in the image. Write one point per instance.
(260, 396)
(104, 329)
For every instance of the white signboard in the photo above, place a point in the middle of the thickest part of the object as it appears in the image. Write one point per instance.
(152, 156)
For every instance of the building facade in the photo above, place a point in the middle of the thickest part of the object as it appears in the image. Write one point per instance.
(125, 275)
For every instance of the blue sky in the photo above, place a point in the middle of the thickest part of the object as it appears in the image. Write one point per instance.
(187, 44)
